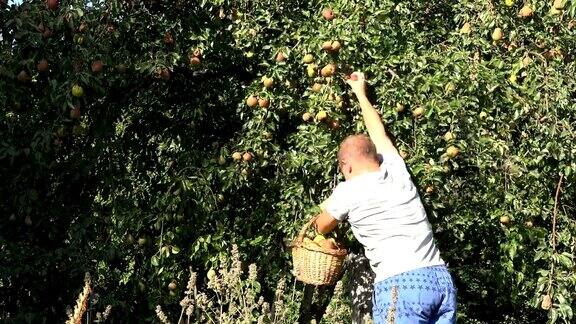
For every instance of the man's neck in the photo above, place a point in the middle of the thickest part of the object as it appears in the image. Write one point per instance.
(365, 169)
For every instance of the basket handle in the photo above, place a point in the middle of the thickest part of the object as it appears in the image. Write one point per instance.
(304, 229)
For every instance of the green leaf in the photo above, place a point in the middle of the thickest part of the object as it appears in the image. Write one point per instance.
(154, 261)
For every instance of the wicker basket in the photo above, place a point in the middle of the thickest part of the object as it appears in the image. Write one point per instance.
(314, 264)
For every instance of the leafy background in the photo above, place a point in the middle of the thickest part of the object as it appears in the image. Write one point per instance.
(143, 185)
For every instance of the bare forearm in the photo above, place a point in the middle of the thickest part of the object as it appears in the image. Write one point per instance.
(371, 118)
(325, 223)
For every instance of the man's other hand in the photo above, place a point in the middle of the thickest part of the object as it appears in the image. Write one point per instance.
(325, 223)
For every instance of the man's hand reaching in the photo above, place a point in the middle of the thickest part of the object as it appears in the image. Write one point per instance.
(357, 83)
(371, 117)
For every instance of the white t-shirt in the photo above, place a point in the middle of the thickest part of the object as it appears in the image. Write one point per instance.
(387, 216)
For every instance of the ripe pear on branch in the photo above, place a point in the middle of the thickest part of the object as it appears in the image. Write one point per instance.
(497, 34)
(466, 28)
(526, 12)
(558, 4)
(308, 58)
(328, 14)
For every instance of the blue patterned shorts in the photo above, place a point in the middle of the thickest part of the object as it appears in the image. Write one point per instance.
(425, 295)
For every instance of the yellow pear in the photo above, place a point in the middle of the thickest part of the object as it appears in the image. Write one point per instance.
(237, 156)
(558, 4)
(525, 12)
(418, 112)
(268, 82)
(466, 28)
(328, 70)
(311, 70)
(321, 116)
(497, 34)
(546, 302)
(319, 238)
(452, 151)
(308, 58)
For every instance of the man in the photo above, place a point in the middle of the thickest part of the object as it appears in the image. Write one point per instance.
(386, 215)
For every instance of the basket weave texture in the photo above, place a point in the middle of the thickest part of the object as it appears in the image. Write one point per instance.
(314, 264)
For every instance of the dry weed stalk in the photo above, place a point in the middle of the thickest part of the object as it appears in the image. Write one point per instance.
(233, 297)
(186, 302)
(161, 316)
(81, 303)
(101, 317)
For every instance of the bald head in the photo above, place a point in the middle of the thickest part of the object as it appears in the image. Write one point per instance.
(358, 148)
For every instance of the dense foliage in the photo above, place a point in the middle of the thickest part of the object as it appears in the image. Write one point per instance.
(120, 120)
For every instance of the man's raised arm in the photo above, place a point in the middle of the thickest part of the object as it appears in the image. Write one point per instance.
(371, 117)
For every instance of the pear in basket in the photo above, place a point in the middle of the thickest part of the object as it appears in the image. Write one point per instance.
(317, 261)
(329, 244)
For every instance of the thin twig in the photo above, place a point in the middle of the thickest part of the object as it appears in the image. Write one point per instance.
(554, 214)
